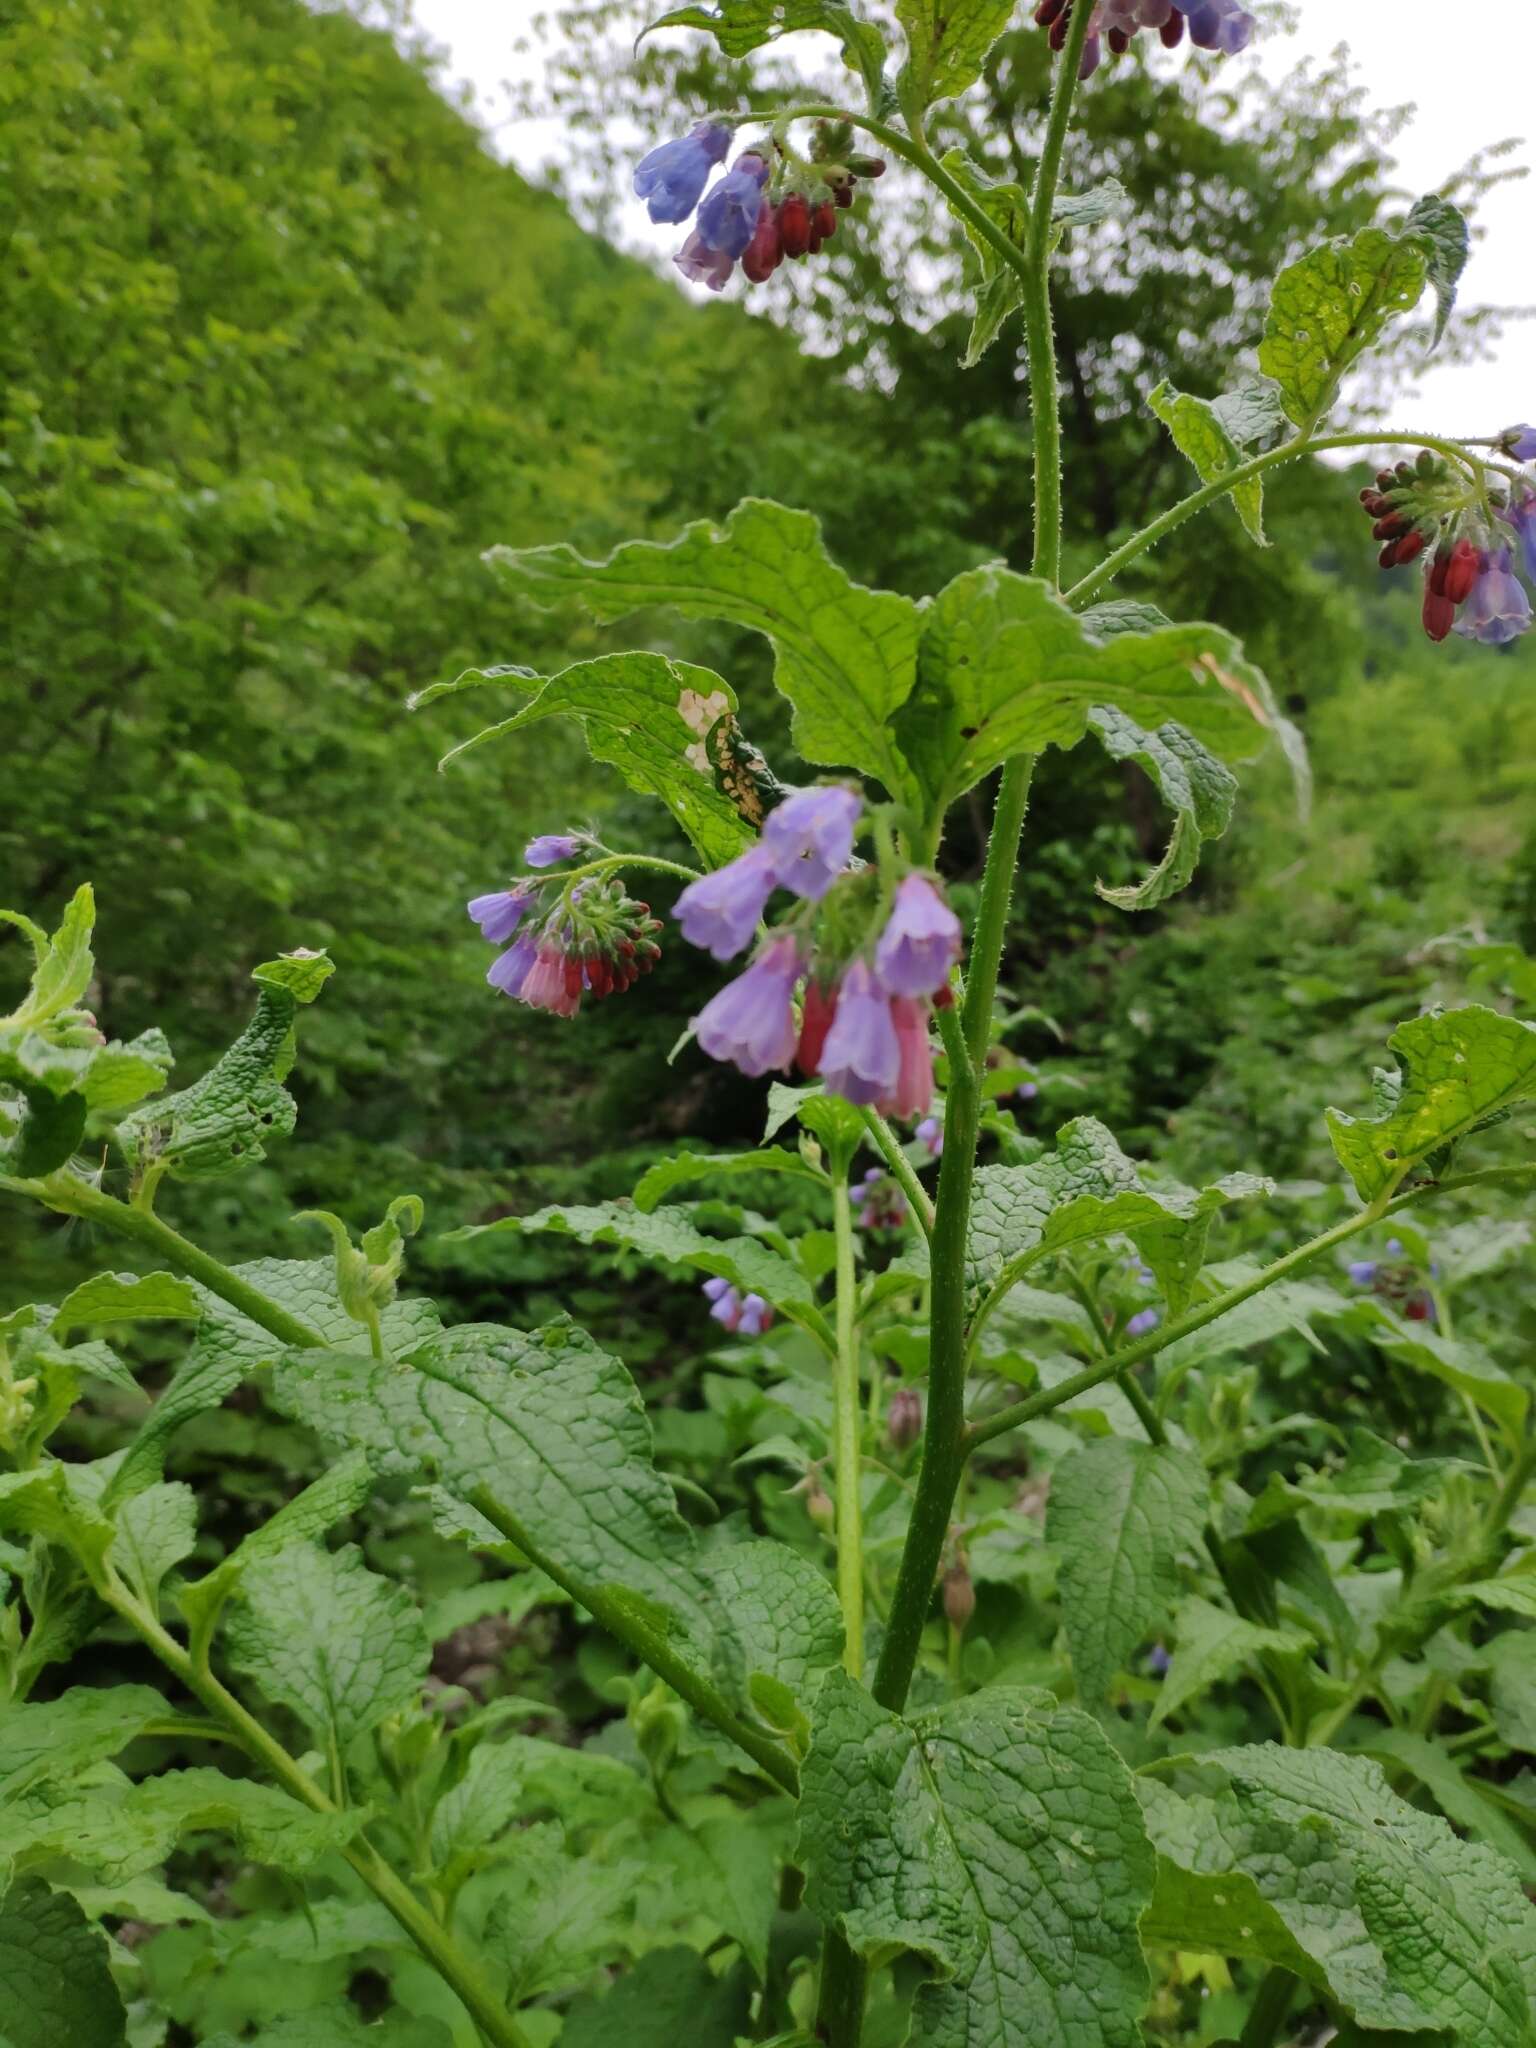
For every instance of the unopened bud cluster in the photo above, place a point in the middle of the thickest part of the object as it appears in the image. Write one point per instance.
(1220, 25)
(567, 940)
(1467, 539)
(769, 206)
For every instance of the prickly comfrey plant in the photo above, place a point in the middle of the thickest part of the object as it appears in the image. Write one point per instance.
(1003, 1378)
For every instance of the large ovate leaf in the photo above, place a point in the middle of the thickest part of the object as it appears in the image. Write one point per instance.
(786, 1626)
(1329, 308)
(742, 26)
(844, 656)
(1197, 788)
(328, 1639)
(1088, 1189)
(56, 1989)
(1001, 1838)
(1005, 668)
(1201, 433)
(58, 1739)
(127, 1298)
(156, 1530)
(1456, 1070)
(1121, 1514)
(947, 45)
(223, 1122)
(1308, 1859)
(647, 716)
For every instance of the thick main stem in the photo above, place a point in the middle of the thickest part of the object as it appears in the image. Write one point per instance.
(846, 1444)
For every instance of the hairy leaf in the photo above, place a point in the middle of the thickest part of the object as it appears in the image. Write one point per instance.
(742, 26)
(340, 2026)
(1329, 308)
(1512, 1687)
(947, 45)
(670, 1995)
(1197, 788)
(56, 1990)
(63, 962)
(339, 1491)
(844, 656)
(1457, 1069)
(1447, 240)
(1005, 668)
(647, 716)
(59, 1739)
(1211, 1644)
(156, 1529)
(1001, 1838)
(325, 1637)
(127, 1298)
(668, 1174)
(999, 288)
(1200, 432)
(1121, 1514)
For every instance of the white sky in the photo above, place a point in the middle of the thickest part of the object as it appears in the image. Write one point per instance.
(1471, 89)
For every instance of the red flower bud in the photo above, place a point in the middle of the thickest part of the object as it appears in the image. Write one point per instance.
(843, 196)
(1410, 546)
(1389, 528)
(794, 224)
(1172, 30)
(867, 166)
(904, 1418)
(816, 1021)
(1047, 12)
(959, 1596)
(1439, 613)
(824, 220)
(1462, 571)
(1119, 41)
(763, 254)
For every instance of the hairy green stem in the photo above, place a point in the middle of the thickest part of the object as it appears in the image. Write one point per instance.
(1129, 1355)
(1212, 493)
(1127, 1382)
(71, 1196)
(628, 1623)
(461, 1972)
(902, 1171)
(846, 1443)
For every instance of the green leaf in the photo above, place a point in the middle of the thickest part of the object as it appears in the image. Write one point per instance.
(999, 288)
(667, 1174)
(56, 1990)
(1121, 1514)
(116, 1830)
(1193, 783)
(1118, 615)
(844, 656)
(1515, 1593)
(742, 26)
(1001, 1838)
(1512, 1687)
(668, 1235)
(1447, 241)
(1088, 1189)
(127, 1298)
(62, 1738)
(1462, 1799)
(1087, 209)
(224, 1121)
(43, 1502)
(647, 716)
(1402, 1922)
(1457, 1362)
(64, 963)
(835, 1122)
(1213, 1643)
(508, 1777)
(1200, 432)
(156, 1529)
(340, 2026)
(323, 1636)
(947, 45)
(557, 1917)
(302, 974)
(1005, 668)
(548, 1423)
(339, 1491)
(1457, 1069)
(670, 1995)
(786, 1625)
(1329, 308)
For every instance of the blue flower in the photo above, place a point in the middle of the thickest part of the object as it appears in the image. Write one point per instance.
(549, 848)
(1145, 1319)
(1498, 609)
(672, 178)
(728, 216)
(499, 914)
(1362, 1272)
(1520, 442)
(1522, 517)
(702, 265)
(720, 911)
(1219, 25)
(810, 836)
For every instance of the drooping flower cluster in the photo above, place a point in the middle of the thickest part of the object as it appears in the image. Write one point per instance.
(767, 207)
(1398, 1280)
(1221, 25)
(882, 1205)
(870, 976)
(566, 942)
(1428, 509)
(745, 1315)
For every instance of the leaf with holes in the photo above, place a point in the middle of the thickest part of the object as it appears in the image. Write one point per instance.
(1330, 307)
(1457, 1070)
(947, 45)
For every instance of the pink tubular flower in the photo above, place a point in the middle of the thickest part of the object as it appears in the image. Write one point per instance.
(720, 911)
(751, 1022)
(914, 1079)
(921, 941)
(547, 985)
(703, 265)
(861, 1060)
(810, 836)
